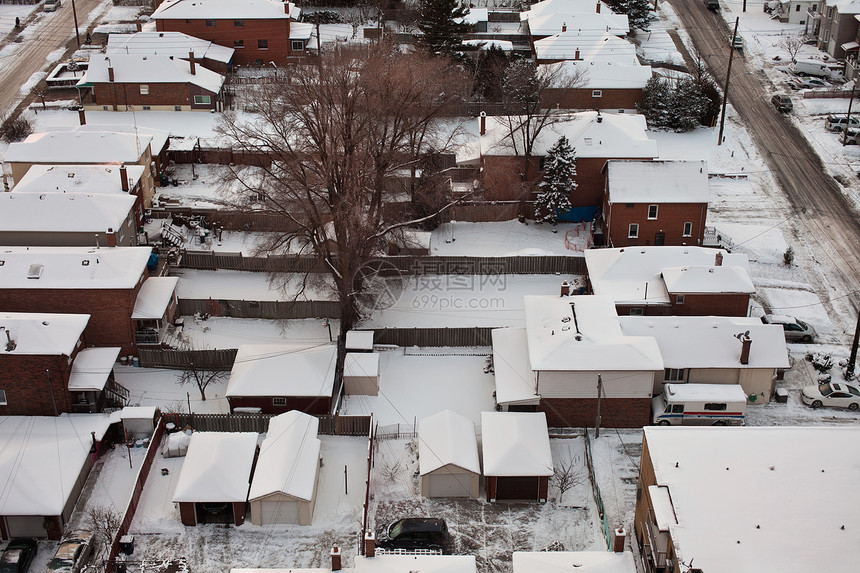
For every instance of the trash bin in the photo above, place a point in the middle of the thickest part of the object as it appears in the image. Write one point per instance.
(781, 395)
(126, 544)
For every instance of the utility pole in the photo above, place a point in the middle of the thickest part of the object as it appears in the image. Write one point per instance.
(599, 394)
(726, 87)
(849, 372)
(845, 131)
(75, 16)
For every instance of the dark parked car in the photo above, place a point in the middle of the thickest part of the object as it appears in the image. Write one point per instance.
(782, 103)
(17, 556)
(415, 533)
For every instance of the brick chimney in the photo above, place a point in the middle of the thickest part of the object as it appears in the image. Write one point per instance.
(138, 25)
(598, 7)
(193, 64)
(619, 539)
(483, 123)
(718, 259)
(82, 116)
(369, 544)
(110, 72)
(576, 54)
(565, 288)
(746, 343)
(335, 558)
(111, 238)
(286, 7)
(123, 177)
(564, 26)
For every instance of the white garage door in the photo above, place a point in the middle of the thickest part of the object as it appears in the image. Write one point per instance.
(26, 526)
(280, 512)
(450, 485)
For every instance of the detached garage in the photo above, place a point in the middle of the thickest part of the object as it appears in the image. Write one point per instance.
(448, 456)
(517, 456)
(285, 482)
(213, 482)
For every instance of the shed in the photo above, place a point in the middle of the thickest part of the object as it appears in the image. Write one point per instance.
(138, 421)
(448, 456)
(361, 373)
(213, 483)
(285, 482)
(517, 456)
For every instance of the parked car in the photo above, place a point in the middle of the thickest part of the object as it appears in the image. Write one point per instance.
(17, 556)
(52, 5)
(72, 553)
(794, 329)
(840, 122)
(782, 103)
(415, 533)
(850, 136)
(833, 394)
(807, 83)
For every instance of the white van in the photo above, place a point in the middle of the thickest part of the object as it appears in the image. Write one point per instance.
(809, 68)
(52, 5)
(699, 405)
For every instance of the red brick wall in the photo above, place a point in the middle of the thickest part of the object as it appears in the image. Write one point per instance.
(582, 412)
(584, 98)
(307, 404)
(670, 221)
(224, 33)
(28, 392)
(694, 305)
(120, 95)
(188, 513)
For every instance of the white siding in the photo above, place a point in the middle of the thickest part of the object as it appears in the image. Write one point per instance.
(616, 384)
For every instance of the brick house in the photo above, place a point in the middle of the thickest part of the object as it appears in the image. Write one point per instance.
(676, 281)
(571, 348)
(207, 54)
(654, 203)
(258, 30)
(595, 137)
(112, 286)
(834, 24)
(151, 82)
(613, 86)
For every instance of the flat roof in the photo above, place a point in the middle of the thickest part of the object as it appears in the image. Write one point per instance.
(659, 181)
(64, 212)
(229, 9)
(217, 467)
(78, 146)
(515, 379)
(174, 44)
(79, 268)
(361, 364)
(41, 333)
(154, 297)
(84, 178)
(573, 561)
(92, 367)
(283, 370)
(515, 444)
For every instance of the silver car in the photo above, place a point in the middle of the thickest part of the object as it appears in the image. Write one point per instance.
(795, 330)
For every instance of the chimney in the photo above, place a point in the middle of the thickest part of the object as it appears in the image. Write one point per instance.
(335, 558)
(369, 544)
(598, 7)
(565, 288)
(718, 259)
(746, 343)
(618, 541)
(286, 7)
(110, 72)
(191, 61)
(123, 178)
(483, 122)
(564, 26)
(576, 54)
(111, 238)
(82, 116)
(138, 25)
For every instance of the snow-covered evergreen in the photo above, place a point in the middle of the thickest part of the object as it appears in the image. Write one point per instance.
(557, 183)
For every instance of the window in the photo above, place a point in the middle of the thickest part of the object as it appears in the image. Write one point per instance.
(147, 108)
(652, 211)
(596, 93)
(144, 89)
(3, 401)
(238, 43)
(674, 374)
(542, 164)
(238, 23)
(715, 406)
(202, 100)
(688, 229)
(636, 312)
(797, 8)
(262, 44)
(679, 298)
(297, 45)
(105, 108)
(677, 408)
(279, 401)
(210, 23)
(177, 108)
(633, 231)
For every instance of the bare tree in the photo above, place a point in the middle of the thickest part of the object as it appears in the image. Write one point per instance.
(104, 523)
(790, 45)
(566, 476)
(332, 136)
(201, 376)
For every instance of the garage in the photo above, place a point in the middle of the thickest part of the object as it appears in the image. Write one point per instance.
(517, 456)
(26, 526)
(518, 488)
(448, 456)
(286, 512)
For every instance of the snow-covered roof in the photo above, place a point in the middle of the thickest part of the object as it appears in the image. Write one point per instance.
(664, 513)
(844, 6)
(702, 279)
(138, 413)
(573, 561)
(78, 146)
(92, 367)
(174, 44)
(217, 467)
(605, 74)
(72, 267)
(40, 333)
(415, 563)
(289, 457)
(504, 45)
(41, 460)
(588, 45)
(474, 16)
(515, 379)
(154, 297)
(359, 340)
(677, 181)
(682, 338)
(564, 7)
(447, 438)
(583, 333)
(560, 22)
(590, 133)
(707, 392)
(634, 274)
(761, 496)
(157, 138)
(515, 444)
(78, 179)
(301, 30)
(150, 69)
(361, 364)
(225, 9)
(63, 212)
(283, 370)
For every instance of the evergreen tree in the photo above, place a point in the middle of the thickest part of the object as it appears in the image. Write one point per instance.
(656, 103)
(440, 21)
(689, 104)
(640, 13)
(557, 183)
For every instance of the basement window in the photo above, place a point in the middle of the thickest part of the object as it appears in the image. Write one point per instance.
(679, 299)
(279, 401)
(3, 401)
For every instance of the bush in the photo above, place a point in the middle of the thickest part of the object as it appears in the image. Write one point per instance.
(15, 129)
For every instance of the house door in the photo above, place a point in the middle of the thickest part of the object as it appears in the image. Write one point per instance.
(660, 239)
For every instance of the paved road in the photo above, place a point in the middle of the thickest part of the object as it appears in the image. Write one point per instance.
(52, 32)
(827, 220)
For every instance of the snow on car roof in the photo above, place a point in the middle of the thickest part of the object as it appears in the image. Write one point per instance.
(283, 370)
(73, 267)
(289, 457)
(675, 181)
(154, 297)
(701, 392)
(41, 333)
(447, 438)
(515, 444)
(759, 495)
(217, 467)
(569, 561)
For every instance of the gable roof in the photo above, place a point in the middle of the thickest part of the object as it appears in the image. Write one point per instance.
(591, 46)
(515, 444)
(283, 370)
(226, 9)
(150, 69)
(564, 6)
(217, 467)
(85, 178)
(78, 146)
(73, 267)
(174, 44)
(548, 24)
(289, 457)
(605, 74)
(658, 181)
(41, 333)
(447, 438)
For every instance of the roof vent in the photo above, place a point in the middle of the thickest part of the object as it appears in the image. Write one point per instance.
(85, 262)
(710, 270)
(10, 344)
(35, 271)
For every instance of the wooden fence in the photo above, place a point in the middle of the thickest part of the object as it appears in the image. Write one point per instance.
(218, 156)
(220, 359)
(259, 423)
(465, 336)
(826, 94)
(230, 220)
(270, 309)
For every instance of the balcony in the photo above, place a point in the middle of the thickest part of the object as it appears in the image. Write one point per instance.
(147, 336)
